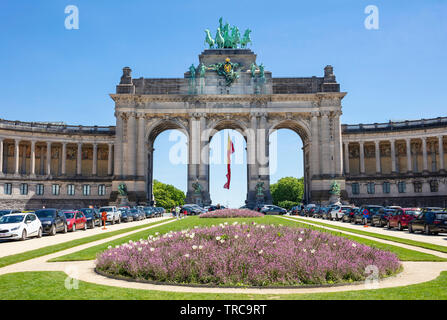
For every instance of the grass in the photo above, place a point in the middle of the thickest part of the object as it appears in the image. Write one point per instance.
(46, 285)
(15, 258)
(415, 243)
(190, 222)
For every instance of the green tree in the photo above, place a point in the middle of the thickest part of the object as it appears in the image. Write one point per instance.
(168, 196)
(287, 189)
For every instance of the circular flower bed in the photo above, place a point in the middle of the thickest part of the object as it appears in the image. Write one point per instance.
(246, 255)
(231, 213)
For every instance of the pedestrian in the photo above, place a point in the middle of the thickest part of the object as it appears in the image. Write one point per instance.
(184, 213)
(177, 212)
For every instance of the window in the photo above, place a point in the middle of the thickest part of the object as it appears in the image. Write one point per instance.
(102, 190)
(56, 189)
(8, 188)
(401, 186)
(39, 189)
(71, 189)
(386, 187)
(434, 186)
(23, 189)
(355, 188)
(86, 189)
(371, 187)
(417, 186)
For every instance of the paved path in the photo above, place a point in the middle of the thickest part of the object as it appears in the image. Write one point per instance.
(413, 273)
(9, 247)
(439, 239)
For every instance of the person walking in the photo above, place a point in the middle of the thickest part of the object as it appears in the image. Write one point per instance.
(177, 212)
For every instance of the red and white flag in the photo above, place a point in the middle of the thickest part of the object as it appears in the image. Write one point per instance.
(230, 150)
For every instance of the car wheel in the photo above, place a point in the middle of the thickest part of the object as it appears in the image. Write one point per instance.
(39, 233)
(410, 229)
(65, 228)
(23, 235)
(399, 226)
(85, 226)
(372, 223)
(119, 220)
(388, 226)
(53, 230)
(427, 230)
(113, 221)
(73, 229)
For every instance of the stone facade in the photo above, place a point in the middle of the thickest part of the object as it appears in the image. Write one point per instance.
(74, 166)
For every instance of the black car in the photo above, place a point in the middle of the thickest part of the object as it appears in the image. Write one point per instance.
(272, 209)
(325, 213)
(429, 222)
(53, 221)
(149, 212)
(135, 214)
(381, 218)
(348, 216)
(365, 214)
(93, 217)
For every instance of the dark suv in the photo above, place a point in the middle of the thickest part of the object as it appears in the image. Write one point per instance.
(429, 222)
(381, 218)
(93, 217)
(52, 220)
(365, 214)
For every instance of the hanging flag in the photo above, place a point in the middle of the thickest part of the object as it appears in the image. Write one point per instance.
(230, 150)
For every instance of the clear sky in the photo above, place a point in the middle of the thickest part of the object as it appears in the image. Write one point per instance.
(53, 74)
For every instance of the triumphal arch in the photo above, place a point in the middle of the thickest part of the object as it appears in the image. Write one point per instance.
(228, 89)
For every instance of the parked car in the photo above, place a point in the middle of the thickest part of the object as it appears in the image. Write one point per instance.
(365, 213)
(93, 217)
(429, 222)
(381, 218)
(401, 217)
(113, 214)
(126, 216)
(191, 210)
(348, 216)
(20, 226)
(312, 211)
(9, 211)
(323, 213)
(272, 209)
(337, 212)
(149, 211)
(53, 221)
(296, 210)
(75, 220)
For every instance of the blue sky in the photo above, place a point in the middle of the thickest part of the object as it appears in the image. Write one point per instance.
(53, 74)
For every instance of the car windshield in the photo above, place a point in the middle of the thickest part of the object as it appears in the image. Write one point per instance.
(133, 211)
(373, 209)
(412, 212)
(441, 216)
(69, 215)
(87, 212)
(45, 214)
(11, 219)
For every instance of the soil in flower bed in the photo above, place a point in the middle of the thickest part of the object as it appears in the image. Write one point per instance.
(232, 213)
(246, 255)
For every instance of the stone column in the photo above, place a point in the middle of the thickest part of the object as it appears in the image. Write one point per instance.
(79, 159)
(408, 147)
(64, 158)
(48, 158)
(132, 144)
(33, 159)
(95, 159)
(441, 153)
(424, 154)
(362, 157)
(346, 156)
(252, 164)
(315, 146)
(193, 156)
(377, 153)
(109, 160)
(324, 145)
(142, 152)
(338, 159)
(393, 156)
(150, 166)
(263, 154)
(16, 156)
(1, 156)
(204, 153)
(118, 151)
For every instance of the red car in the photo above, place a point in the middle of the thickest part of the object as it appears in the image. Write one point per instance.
(401, 217)
(75, 220)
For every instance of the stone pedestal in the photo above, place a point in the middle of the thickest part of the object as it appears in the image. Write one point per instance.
(122, 201)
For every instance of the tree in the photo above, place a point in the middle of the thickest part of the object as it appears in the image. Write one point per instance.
(168, 196)
(287, 189)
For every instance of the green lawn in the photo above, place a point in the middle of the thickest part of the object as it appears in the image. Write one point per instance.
(420, 244)
(15, 258)
(51, 286)
(190, 222)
